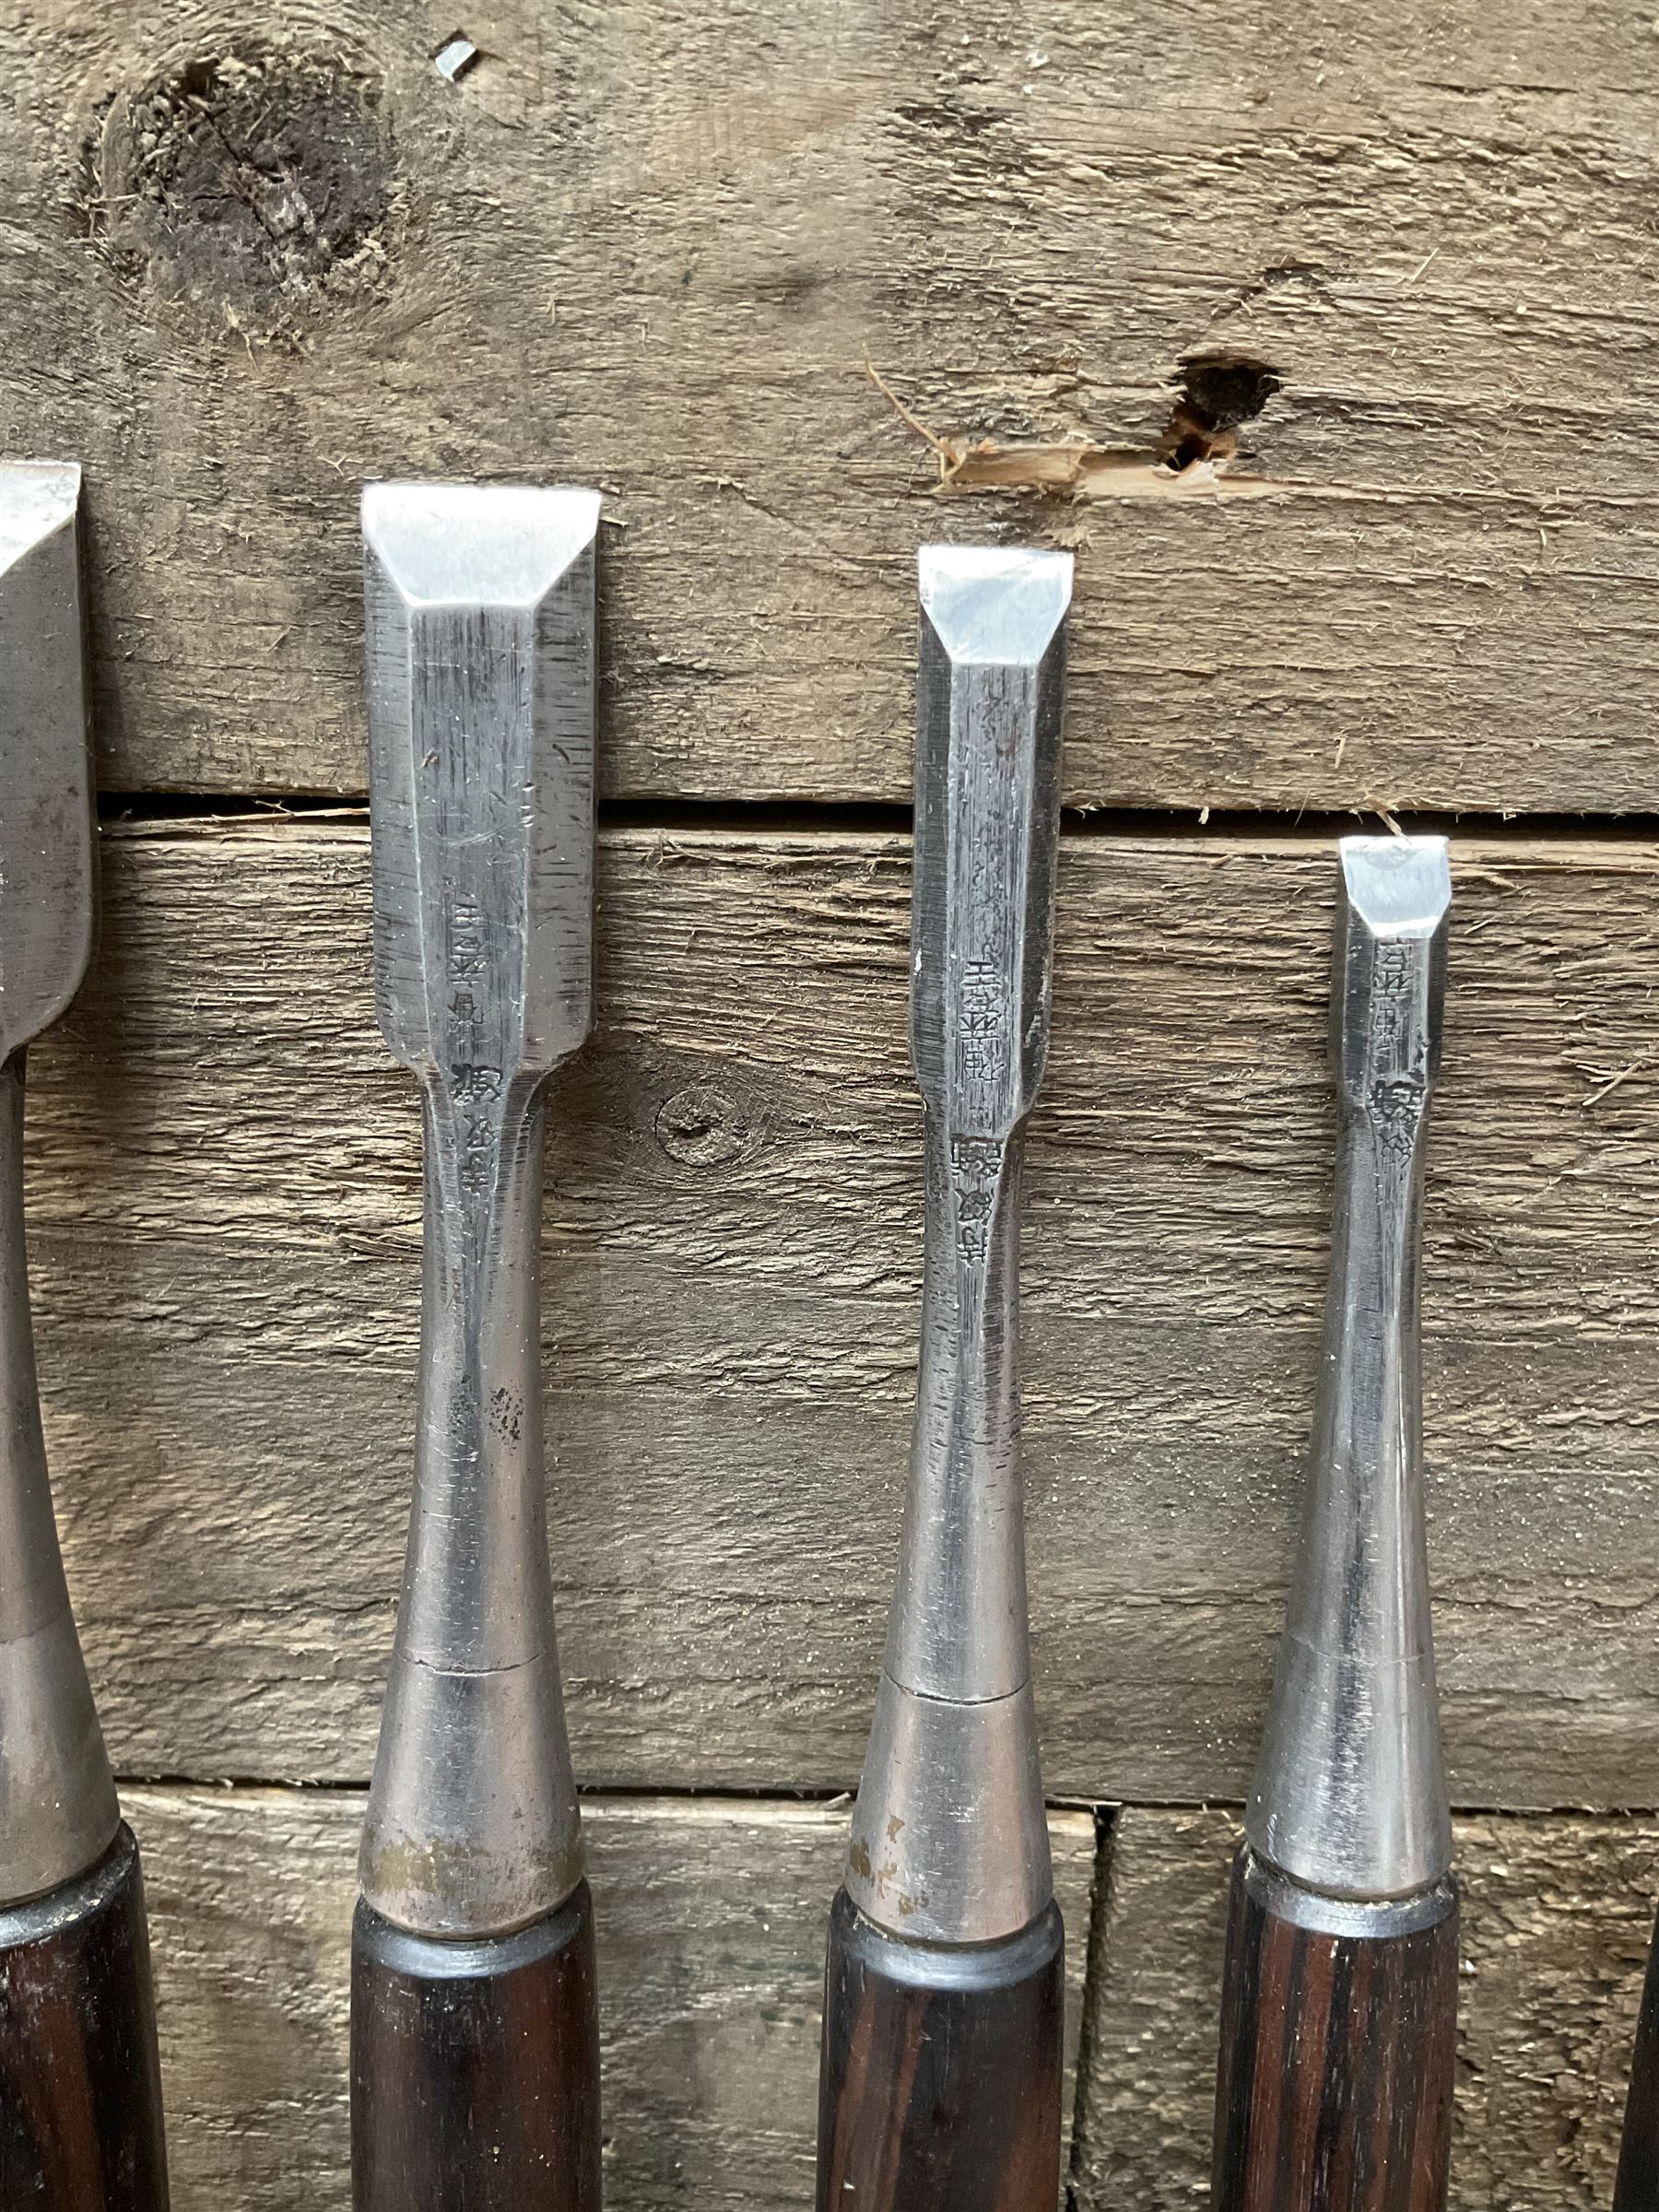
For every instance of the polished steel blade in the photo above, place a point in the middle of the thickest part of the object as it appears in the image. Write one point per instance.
(58, 1812)
(48, 881)
(949, 1839)
(1350, 1798)
(480, 619)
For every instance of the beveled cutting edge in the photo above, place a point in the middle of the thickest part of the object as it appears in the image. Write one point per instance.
(1349, 1798)
(58, 1808)
(480, 626)
(949, 1838)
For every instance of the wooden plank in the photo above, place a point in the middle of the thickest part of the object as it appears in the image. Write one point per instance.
(711, 1925)
(225, 1235)
(1555, 1918)
(649, 246)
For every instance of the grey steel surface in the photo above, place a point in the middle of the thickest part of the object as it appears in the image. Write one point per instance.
(1349, 1795)
(480, 629)
(949, 1840)
(58, 1813)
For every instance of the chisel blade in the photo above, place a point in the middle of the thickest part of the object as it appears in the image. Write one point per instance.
(1389, 998)
(991, 681)
(1344, 1875)
(480, 622)
(1349, 1797)
(945, 1974)
(480, 626)
(949, 1841)
(48, 882)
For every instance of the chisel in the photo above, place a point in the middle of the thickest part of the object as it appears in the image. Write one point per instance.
(1637, 2186)
(474, 2066)
(1339, 2007)
(80, 2087)
(944, 2001)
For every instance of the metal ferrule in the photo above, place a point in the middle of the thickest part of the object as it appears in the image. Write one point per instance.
(1358, 1919)
(949, 1838)
(480, 619)
(1349, 1797)
(58, 1811)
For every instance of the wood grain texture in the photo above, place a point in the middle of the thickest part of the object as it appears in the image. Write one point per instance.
(1553, 1930)
(709, 1919)
(81, 2124)
(474, 2067)
(940, 2089)
(1333, 2082)
(225, 1219)
(260, 254)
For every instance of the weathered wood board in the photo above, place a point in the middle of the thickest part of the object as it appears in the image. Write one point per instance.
(1555, 1919)
(225, 1228)
(711, 1918)
(260, 253)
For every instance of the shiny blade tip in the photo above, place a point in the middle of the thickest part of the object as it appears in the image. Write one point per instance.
(994, 606)
(37, 499)
(1397, 886)
(476, 545)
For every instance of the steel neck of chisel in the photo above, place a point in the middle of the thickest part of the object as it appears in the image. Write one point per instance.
(1349, 1797)
(480, 611)
(58, 1810)
(949, 1839)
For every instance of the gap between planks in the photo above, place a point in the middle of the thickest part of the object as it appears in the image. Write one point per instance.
(1483, 849)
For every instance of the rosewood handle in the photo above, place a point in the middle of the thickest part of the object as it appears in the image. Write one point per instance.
(940, 2087)
(1334, 2089)
(80, 2083)
(474, 2067)
(1637, 2188)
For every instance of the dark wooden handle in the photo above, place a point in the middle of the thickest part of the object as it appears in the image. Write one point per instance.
(474, 2067)
(80, 2084)
(940, 2085)
(1334, 2089)
(1637, 2188)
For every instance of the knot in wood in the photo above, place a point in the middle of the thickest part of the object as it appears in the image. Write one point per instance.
(701, 1126)
(251, 184)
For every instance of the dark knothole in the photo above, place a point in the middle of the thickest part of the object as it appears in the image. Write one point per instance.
(250, 183)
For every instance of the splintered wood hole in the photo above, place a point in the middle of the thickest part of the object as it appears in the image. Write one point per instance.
(1219, 392)
(1195, 450)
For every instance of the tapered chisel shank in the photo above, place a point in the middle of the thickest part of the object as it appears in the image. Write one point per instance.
(940, 2087)
(475, 2055)
(1339, 2007)
(80, 2095)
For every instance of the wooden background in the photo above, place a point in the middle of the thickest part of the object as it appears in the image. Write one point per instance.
(1326, 341)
